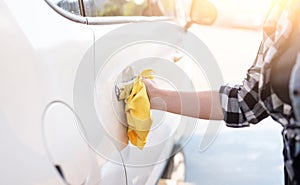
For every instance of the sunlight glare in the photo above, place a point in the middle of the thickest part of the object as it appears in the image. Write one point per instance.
(139, 2)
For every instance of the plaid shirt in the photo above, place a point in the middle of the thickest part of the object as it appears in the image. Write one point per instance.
(255, 100)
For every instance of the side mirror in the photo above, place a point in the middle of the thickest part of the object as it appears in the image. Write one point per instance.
(202, 12)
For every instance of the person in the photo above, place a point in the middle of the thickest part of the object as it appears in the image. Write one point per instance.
(264, 92)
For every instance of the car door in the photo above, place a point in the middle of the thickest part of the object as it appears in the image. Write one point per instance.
(122, 45)
(41, 49)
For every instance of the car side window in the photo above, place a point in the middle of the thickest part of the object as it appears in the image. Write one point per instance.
(99, 8)
(105, 8)
(71, 6)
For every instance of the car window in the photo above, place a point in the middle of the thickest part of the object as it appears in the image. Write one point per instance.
(104, 8)
(96, 8)
(99, 8)
(71, 6)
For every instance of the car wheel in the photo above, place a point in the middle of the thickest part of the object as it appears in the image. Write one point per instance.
(175, 168)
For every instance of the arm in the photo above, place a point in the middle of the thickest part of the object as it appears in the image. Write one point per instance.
(237, 105)
(204, 105)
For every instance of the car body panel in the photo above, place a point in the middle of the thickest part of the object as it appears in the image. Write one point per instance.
(41, 52)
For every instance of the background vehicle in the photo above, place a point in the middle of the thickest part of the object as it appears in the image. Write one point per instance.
(42, 47)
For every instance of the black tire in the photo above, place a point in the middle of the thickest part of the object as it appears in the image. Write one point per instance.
(175, 168)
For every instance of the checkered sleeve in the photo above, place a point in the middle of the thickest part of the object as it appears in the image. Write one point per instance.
(240, 103)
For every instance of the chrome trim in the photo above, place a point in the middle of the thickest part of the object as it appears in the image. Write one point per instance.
(125, 19)
(67, 14)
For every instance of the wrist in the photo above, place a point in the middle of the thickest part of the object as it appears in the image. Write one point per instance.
(157, 101)
(153, 93)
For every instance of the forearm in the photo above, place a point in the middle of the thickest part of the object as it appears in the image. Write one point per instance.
(204, 104)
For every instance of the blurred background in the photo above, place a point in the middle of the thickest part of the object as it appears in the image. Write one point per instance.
(237, 156)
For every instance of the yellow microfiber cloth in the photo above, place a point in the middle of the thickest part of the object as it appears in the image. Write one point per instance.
(137, 109)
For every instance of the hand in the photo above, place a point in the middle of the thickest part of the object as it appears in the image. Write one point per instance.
(151, 88)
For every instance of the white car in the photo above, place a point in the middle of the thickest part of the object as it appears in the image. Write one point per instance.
(44, 140)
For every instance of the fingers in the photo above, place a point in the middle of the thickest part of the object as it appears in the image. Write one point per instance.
(150, 87)
(146, 81)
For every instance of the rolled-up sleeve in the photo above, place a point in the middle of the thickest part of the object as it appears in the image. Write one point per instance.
(240, 103)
